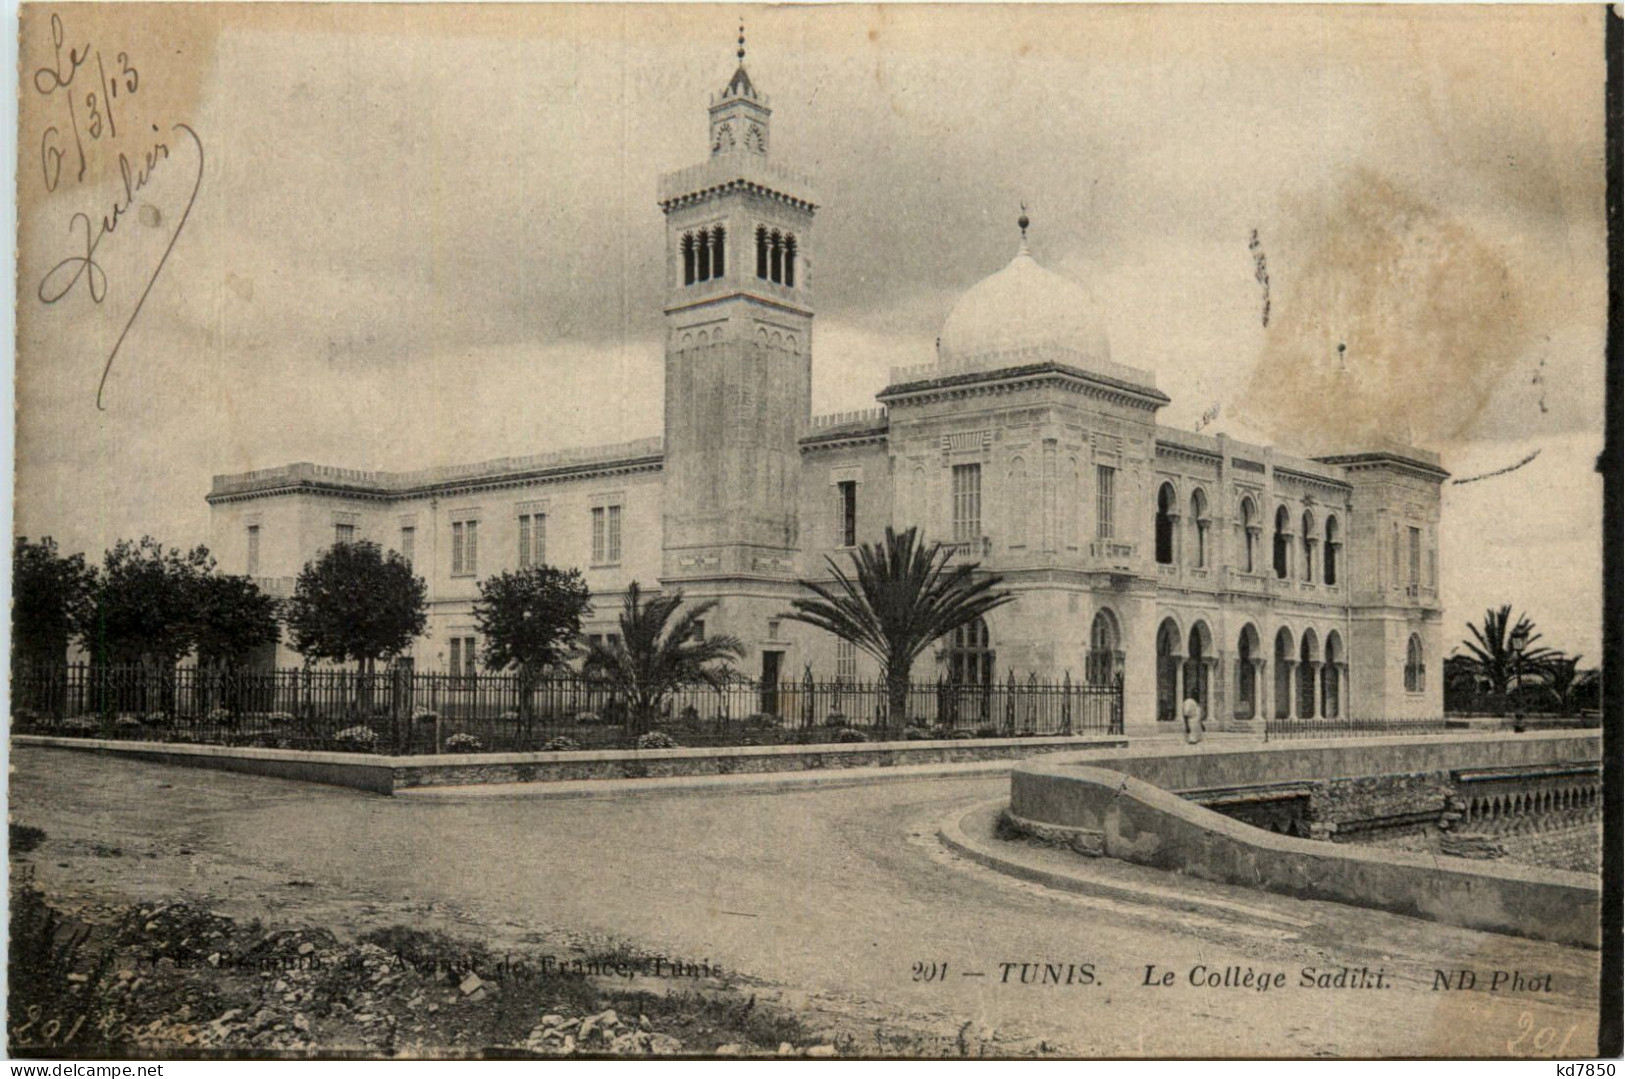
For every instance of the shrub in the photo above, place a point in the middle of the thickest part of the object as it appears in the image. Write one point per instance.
(24, 717)
(364, 739)
(154, 719)
(219, 717)
(424, 715)
(835, 719)
(127, 722)
(963, 734)
(81, 725)
(916, 733)
(657, 740)
(587, 718)
(762, 720)
(279, 718)
(561, 744)
(987, 732)
(464, 743)
(848, 734)
(511, 715)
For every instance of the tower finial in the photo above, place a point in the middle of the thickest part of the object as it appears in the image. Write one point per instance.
(1023, 222)
(741, 41)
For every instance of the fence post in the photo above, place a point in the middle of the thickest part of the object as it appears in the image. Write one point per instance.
(1066, 702)
(807, 697)
(1010, 691)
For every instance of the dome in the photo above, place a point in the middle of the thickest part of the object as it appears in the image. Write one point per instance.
(1024, 313)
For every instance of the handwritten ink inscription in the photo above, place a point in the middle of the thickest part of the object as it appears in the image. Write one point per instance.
(90, 95)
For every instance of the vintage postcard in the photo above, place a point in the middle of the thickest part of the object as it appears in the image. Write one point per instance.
(822, 531)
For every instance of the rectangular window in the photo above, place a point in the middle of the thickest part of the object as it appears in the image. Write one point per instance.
(465, 548)
(409, 536)
(464, 657)
(846, 513)
(253, 550)
(343, 534)
(606, 535)
(846, 661)
(532, 539)
(1433, 568)
(1105, 501)
(967, 503)
(699, 630)
(1416, 557)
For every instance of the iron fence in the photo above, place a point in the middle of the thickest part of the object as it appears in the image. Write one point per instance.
(1343, 727)
(401, 711)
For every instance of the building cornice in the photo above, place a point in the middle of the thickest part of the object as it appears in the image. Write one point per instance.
(1365, 462)
(1023, 377)
(527, 478)
(1339, 486)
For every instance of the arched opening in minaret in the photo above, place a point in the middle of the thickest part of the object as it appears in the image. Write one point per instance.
(790, 259)
(775, 257)
(718, 246)
(688, 258)
(702, 257)
(761, 252)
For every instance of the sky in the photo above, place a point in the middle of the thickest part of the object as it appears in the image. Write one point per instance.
(424, 235)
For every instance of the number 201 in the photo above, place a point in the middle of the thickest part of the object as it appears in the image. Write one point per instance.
(930, 972)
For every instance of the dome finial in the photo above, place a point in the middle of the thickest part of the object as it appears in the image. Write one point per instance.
(1023, 222)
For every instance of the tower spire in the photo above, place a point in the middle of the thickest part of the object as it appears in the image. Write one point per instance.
(741, 42)
(1022, 222)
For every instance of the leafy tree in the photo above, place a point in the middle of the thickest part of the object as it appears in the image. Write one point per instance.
(902, 596)
(48, 594)
(530, 618)
(1491, 647)
(660, 651)
(356, 603)
(233, 617)
(144, 602)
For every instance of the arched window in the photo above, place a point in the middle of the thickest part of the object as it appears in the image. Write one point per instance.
(775, 257)
(719, 260)
(1249, 530)
(1196, 666)
(1105, 650)
(1165, 524)
(970, 657)
(1332, 544)
(1415, 668)
(790, 259)
(1308, 546)
(702, 256)
(1199, 523)
(1308, 664)
(688, 258)
(1283, 541)
(761, 251)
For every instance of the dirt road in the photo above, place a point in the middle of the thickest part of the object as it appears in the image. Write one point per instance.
(840, 901)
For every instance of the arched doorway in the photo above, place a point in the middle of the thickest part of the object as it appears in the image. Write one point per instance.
(1105, 657)
(1199, 655)
(1249, 655)
(1285, 660)
(1308, 667)
(1168, 671)
(1331, 677)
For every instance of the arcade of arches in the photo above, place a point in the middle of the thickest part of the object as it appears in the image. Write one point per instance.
(1296, 678)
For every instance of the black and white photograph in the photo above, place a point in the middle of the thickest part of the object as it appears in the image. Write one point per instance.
(659, 531)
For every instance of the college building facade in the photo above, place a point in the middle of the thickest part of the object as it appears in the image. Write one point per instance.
(1190, 565)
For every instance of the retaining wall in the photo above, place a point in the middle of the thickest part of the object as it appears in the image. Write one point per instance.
(1123, 804)
(384, 774)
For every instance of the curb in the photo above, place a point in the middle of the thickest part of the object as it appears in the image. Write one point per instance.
(698, 786)
(994, 855)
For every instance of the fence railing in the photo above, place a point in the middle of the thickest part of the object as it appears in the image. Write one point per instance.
(401, 711)
(1343, 727)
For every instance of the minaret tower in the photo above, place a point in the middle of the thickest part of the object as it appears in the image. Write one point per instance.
(738, 362)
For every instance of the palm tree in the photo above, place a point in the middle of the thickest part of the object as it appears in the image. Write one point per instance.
(1492, 656)
(656, 655)
(901, 598)
(1562, 675)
